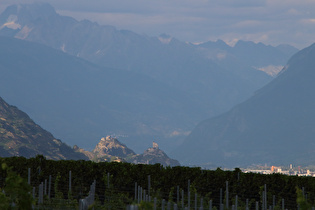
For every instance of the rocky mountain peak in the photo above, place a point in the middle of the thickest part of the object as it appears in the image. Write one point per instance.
(165, 39)
(111, 146)
(155, 155)
(17, 16)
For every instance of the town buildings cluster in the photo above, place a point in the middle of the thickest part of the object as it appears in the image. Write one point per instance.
(293, 171)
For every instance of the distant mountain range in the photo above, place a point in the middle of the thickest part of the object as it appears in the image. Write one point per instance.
(275, 126)
(148, 88)
(79, 101)
(219, 76)
(20, 136)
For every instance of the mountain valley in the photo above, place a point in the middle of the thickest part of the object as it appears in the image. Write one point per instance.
(82, 81)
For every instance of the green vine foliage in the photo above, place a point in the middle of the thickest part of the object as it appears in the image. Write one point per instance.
(163, 181)
(301, 201)
(16, 193)
(58, 194)
(146, 206)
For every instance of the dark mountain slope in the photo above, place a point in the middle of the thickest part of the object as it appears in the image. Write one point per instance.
(20, 136)
(79, 101)
(275, 126)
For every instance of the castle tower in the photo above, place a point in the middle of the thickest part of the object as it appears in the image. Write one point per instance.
(155, 145)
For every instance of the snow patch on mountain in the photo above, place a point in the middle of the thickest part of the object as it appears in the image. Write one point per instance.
(165, 39)
(11, 23)
(271, 70)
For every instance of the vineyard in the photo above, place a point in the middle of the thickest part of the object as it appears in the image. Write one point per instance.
(49, 184)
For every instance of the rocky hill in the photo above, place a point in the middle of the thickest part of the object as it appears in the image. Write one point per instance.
(110, 149)
(275, 126)
(20, 136)
(153, 155)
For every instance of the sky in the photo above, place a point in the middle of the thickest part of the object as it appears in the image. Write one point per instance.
(271, 22)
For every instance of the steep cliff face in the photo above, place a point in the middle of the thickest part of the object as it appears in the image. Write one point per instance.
(20, 136)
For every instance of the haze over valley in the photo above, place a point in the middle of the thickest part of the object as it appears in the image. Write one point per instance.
(209, 104)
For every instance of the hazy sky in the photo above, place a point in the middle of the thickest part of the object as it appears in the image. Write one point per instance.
(268, 21)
